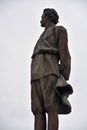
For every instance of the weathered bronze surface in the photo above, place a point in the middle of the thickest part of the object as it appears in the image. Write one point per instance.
(50, 68)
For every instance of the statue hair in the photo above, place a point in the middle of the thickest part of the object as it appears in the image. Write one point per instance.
(52, 15)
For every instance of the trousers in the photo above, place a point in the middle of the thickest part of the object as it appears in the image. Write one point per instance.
(43, 101)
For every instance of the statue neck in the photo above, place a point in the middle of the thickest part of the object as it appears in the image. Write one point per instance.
(49, 24)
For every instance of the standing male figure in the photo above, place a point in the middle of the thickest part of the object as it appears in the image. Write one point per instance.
(50, 68)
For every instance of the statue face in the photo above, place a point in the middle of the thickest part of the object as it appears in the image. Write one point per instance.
(43, 20)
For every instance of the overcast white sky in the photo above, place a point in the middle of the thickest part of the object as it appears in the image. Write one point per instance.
(19, 31)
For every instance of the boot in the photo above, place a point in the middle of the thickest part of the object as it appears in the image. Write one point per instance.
(40, 121)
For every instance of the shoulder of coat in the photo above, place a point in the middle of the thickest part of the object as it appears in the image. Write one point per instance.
(61, 28)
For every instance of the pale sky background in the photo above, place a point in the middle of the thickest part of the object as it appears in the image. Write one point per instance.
(19, 31)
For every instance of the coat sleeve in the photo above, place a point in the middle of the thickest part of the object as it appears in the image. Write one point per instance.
(64, 54)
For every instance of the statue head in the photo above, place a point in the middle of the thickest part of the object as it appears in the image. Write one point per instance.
(49, 14)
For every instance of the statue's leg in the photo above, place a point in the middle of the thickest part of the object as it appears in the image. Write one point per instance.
(40, 121)
(37, 106)
(53, 121)
(48, 88)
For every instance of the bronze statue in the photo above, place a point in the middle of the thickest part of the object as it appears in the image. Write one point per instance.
(50, 68)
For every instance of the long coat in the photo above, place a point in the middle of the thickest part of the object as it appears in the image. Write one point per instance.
(51, 56)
